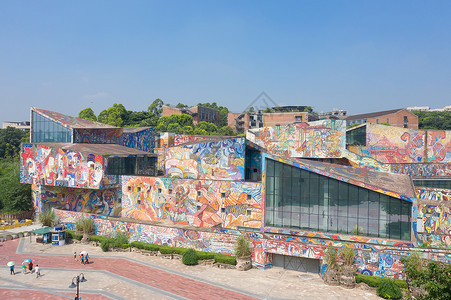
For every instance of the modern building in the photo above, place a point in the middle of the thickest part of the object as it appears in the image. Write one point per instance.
(334, 114)
(395, 117)
(241, 122)
(24, 125)
(199, 113)
(292, 189)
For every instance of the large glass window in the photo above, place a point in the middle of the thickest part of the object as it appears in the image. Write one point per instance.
(46, 130)
(131, 166)
(299, 199)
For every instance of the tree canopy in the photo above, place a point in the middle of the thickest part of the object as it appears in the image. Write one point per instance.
(10, 139)
(438, 120)
(87, 114)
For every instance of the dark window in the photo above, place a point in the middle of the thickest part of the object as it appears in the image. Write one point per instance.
(170, 191)
(223, 195)
(249, 197)
(139, 201)
(131, 166)
(159, 191)
(297, 198)
(199, 193)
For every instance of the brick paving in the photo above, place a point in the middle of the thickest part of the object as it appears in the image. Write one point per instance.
(160, 280)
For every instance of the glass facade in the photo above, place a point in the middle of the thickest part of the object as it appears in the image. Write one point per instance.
(299, 199)
(433, 183)
(46, 130)
(356, 137)
(131, 166)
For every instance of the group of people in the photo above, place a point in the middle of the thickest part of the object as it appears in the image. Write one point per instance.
(84, 258)
(37, 270)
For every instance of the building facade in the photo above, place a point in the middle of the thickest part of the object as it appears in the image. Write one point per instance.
(199, 113)
(397, 117)
(293, 190)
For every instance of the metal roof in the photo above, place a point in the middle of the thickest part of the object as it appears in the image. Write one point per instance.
(372, 115)
(100, 149)
(72, 122)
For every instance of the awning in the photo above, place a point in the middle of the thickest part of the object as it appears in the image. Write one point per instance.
(44, 230)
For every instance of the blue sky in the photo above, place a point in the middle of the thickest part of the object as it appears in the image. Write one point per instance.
(360, 56)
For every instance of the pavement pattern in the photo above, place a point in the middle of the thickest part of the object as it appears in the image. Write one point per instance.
(130, 275)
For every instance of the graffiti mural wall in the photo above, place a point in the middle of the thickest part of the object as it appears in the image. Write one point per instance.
(97, 136)
(56, 167)
(200, 203)
(423, 170)
(388, 144)
(319, 139)
(221, 160)
(102, 202)
(436, 224)
(433, 194)
(439, 146)
(143, 140)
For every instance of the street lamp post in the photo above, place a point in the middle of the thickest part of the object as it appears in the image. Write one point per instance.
(76, 282)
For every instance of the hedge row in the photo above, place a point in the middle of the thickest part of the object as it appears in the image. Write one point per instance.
(72, 235)
(375, 281)
(220, 258)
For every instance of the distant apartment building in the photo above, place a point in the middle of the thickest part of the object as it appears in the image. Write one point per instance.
(395, 117)
(427, 108)
(24, 125)
(334, 114)
(241, 122)
(199, 113)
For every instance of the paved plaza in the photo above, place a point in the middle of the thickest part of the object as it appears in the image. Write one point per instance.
(131, 275)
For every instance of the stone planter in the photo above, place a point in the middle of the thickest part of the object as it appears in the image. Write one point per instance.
(243, 263)
(347, 278)
(332, 276)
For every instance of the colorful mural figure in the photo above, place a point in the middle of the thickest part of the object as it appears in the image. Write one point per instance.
(143, 140)
(200, 203)
(220, 160)
(423, 170)
(438, 146)
(56, 167)
(319, 139)
(102, 202)
(97, 136)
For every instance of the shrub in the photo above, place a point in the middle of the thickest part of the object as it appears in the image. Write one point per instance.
(330, 257)
(105, 245)
(85, 226)
(375, 281)
(71, 234)
(120, 239)
(47, 218)
(387, 289)
(242, 247)
(190, 257)
(348, 256)
(225, 259)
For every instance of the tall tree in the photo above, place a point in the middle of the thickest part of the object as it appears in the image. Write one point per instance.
(14, 196)
(87, 114)
(115, 115)
(10, 139)
(156, 107)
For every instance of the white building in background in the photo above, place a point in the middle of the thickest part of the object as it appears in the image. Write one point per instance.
(427, 108)
(24, 125)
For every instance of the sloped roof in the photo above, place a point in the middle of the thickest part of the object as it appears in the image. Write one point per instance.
(397, 183)
(372, 115)
(71, 122)
(100, 149)
(134, 129)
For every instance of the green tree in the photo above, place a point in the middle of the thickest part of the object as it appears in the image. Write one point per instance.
(14, 196)
(223, 117)
(200, 131)
(226, 130)
(156, 107)
(188, 130)
(185, 120)
(181, 105)
(87, 114)
(10, 139)
(115, 115)
(438, 120)
(174, 127)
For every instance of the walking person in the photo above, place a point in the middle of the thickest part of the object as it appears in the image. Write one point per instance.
(82, 258)
(87, 259)
(11, 270)
(38, 271)
(75, 256)
(30, 267)
(24, 268)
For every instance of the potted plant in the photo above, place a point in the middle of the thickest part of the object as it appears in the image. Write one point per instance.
(332, 273)
(348, 269)
(243, 254)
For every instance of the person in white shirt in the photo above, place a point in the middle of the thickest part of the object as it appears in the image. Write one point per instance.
(38, 271)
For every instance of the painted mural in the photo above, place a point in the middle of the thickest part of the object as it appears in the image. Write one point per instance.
(184, 138)
(388, 144)
(143, 140)
(102, 202)
(436, 220)
(319, 139)
(57, 167)
(200, 203)
(423, 170)
(199, 240)
(97, 136)
(441, 195)
(165, 139)
(219, 160)
(439, 146)
(365, 161)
